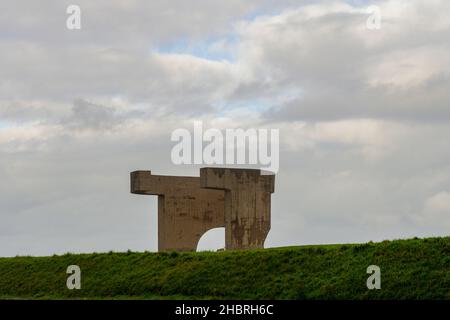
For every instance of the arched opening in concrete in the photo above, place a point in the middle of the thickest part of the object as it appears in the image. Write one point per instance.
(268, 243)
(212, 240)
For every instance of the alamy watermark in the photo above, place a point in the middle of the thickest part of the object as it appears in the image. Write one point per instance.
(256, 147)
(373, 22)
(74, 278)
(73, 21)
(374, 281)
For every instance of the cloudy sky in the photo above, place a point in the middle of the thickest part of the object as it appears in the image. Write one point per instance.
(364, 115)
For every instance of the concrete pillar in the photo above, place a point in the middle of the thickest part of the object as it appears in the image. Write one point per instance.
(185, 210)
(247, 204)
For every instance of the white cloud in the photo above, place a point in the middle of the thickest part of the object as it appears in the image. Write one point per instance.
(373, 139)
(436, 211)
(363, 115)
(439, 203)
(401, 70)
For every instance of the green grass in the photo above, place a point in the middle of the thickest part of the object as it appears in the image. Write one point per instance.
(410, 269)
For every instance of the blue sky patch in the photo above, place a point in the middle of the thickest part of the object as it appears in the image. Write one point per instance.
(214, 49)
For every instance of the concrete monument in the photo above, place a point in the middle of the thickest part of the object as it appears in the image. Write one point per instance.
(237, 199)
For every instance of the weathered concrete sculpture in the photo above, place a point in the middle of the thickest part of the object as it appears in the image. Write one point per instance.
(247, 204)
(237, 199)
(185, 211)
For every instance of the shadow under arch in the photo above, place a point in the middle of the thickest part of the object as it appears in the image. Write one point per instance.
(212, 240)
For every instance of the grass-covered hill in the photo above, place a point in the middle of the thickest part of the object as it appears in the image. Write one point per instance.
(410, 269)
